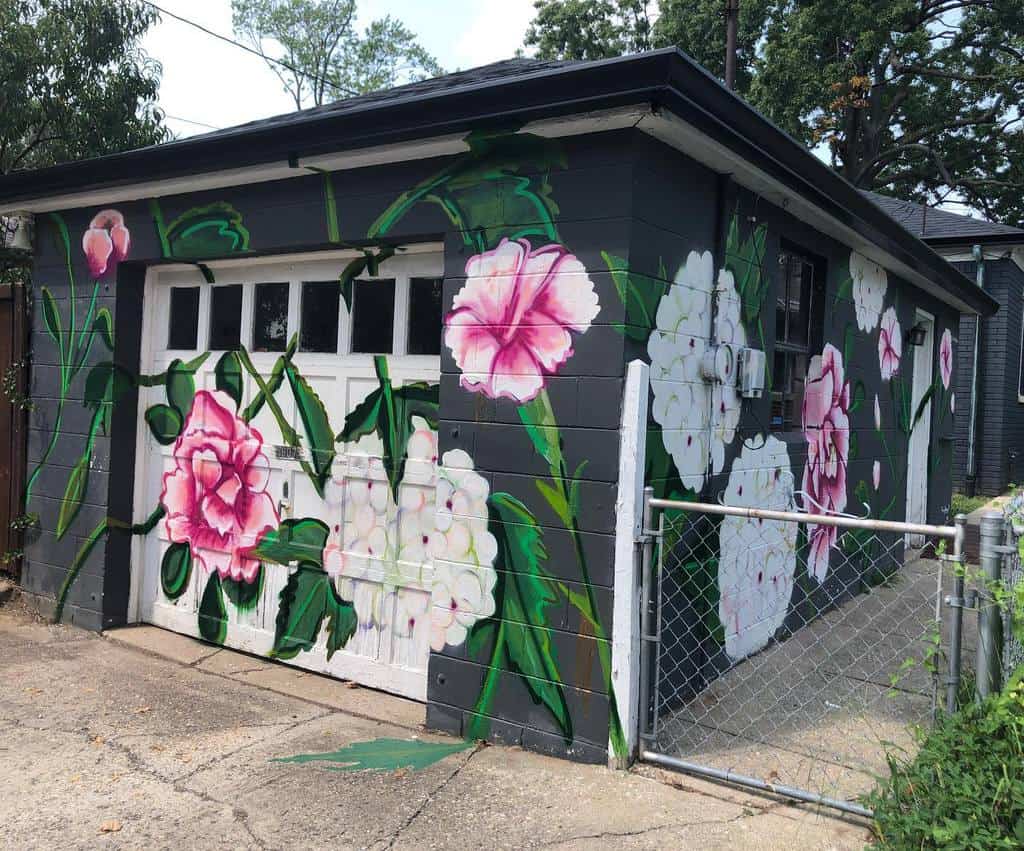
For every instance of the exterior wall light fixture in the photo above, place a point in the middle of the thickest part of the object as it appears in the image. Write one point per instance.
(916, 335)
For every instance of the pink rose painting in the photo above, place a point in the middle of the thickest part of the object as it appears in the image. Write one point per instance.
(890, 344)
(946, 358)
(215, 496)
(106, 242)
(826, 426)
(510, 323)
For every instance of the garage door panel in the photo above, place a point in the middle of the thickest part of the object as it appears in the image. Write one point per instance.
(376, 559)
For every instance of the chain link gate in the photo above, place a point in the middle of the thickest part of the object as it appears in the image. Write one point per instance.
(756, 671)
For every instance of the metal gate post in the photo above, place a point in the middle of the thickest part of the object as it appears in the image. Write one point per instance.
(990, 621)
(956, 628)
(647, 637)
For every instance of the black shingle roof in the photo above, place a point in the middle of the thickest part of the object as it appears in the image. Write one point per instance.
(928, 223)
(501, 98)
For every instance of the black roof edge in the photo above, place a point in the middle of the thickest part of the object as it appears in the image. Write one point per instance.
(984, 240)
(663, 77)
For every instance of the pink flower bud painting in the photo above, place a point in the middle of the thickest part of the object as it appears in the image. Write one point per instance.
(510, 324)
(105, 243)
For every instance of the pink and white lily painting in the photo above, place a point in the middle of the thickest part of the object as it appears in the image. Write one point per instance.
(890, 344)
(510, 325)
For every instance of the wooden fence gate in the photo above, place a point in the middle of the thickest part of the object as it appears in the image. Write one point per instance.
(13, 390)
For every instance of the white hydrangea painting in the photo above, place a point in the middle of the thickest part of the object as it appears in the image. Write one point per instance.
(757, 559)
(870, 283)
(698, 421)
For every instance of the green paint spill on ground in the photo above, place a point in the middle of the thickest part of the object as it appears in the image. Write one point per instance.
(382, 755)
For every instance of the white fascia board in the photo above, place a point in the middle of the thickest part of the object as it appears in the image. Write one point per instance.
(440, 146)
(681, 135)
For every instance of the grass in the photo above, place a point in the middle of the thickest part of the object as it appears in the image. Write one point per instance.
(962, 504)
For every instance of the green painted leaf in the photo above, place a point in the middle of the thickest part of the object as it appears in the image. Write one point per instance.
(305, 601)
(228, 375)
(244, 595)
(542, 427)
(210, 231)
(362, 420)
(213, 615)
(745, 259)
(639, 294)
(175, 569)
(528, 593)
(300, 540)
(858, 396)
(103, 324)
(74, 493)
(273, 383)
(922, 404)
(388, 412)
(845, 288)
(480, 641)
(316, 425)
(181, 387)
(499, 189)
(854, 451)
(51, 316)
(164, 423)
(383, 755)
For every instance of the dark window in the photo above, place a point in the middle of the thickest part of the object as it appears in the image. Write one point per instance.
(318, 331)
(373, 316)
(270, 318)
(183, 330)
(425, 316)
(799, 315)
(226, 318)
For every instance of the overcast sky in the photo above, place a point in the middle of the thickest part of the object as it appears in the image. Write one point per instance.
(208, 81)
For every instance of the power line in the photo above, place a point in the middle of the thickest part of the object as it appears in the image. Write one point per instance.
(253, 51)
(190, 121)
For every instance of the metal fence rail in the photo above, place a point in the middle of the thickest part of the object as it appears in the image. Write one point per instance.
(790, 652)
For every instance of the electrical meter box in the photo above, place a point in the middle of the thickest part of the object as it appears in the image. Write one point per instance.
(751, 373)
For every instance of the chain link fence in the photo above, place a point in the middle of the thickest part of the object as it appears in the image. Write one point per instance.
(793, 655)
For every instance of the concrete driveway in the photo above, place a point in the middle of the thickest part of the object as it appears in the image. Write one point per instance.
(145, 739)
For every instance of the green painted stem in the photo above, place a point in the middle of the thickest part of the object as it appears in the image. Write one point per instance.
(287, 432)
(587, 606)
(158, 223)
(83, 553)
(480, 724)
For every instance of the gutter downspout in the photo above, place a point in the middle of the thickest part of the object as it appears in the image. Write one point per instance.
(971, 479)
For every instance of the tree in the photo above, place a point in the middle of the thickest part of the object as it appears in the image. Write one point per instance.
(917, 98)
(74, 82)
(313, 47)
(589, 29)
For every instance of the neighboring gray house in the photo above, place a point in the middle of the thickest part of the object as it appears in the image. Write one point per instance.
(996, 442)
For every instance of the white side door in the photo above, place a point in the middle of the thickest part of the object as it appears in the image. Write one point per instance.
(920, 437)
(393, 316)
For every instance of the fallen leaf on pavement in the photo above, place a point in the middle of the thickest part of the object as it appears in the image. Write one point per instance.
(111, 825)
(142, 709)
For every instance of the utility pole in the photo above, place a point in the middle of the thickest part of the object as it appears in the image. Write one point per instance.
(732, 16)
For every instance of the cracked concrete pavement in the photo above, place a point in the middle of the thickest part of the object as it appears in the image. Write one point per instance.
(169, 741)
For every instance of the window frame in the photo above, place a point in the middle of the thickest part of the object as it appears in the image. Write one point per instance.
(417, 260)
(818, 292)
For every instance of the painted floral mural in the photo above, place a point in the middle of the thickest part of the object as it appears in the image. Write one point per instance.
(698, 420)
(510, 323)
(215, 498)
(758, 557)
(826, 425)
(870, 283)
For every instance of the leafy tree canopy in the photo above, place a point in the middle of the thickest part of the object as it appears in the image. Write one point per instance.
(74, 82)
(917, 98)
(314, 48)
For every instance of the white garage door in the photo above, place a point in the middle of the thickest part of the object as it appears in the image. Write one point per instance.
(262, 542)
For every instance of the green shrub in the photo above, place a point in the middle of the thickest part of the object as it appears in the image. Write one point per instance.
(965, 787)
